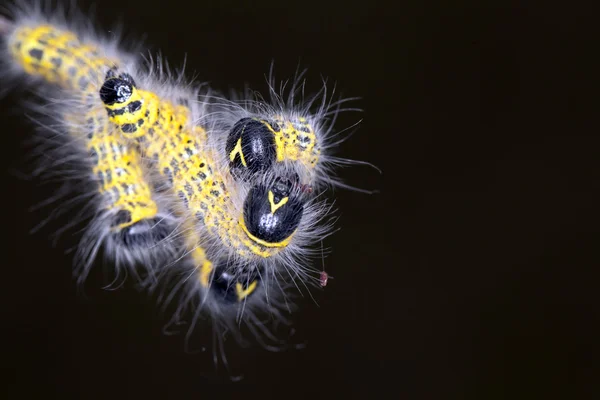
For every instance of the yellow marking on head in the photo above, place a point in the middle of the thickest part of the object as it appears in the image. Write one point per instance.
(283, 243)
(243, 293)
(274, 206)
(238, 150)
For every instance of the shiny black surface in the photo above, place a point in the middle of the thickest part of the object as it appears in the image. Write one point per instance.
(477, 278)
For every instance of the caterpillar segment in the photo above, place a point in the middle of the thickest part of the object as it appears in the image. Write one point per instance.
(128, 216)
(213, 280)
(164, 131)
(117, 166)
(59, 57)
(226, 287)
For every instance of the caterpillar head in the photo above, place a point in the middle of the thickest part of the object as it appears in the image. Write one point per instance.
(229, 288)
(124, 103)
(256, 146)
(117, 89)
(272, 213)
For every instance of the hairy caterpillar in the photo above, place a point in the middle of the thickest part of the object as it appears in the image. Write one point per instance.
(190, 183)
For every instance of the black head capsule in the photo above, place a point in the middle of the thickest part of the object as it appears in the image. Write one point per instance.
(115, 90)
(234, 288)
(250, 147)
(114, 73)
(272, 214)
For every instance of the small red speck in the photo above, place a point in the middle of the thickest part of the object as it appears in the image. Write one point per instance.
(323, 279)
(305, 188)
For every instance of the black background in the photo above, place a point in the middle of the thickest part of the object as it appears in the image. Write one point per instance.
(476, 279)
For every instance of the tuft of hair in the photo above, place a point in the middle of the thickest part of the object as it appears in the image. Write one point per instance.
(287, 100)
(111, 43)
(212, 314)
(60, 152)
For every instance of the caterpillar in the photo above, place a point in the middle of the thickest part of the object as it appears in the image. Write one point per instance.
(217, 204)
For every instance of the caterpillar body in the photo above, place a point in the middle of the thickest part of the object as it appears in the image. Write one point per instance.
(221, 198)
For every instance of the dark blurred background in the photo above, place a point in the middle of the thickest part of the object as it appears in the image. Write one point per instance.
(476, 279)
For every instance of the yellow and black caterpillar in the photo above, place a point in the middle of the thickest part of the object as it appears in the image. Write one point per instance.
(225, 197)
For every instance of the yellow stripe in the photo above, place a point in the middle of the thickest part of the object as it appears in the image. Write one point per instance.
(238, 150)
(262, 242)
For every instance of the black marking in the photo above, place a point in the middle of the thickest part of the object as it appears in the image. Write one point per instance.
(56, 61)
(183, 198)
(36, 53)
(135, 106)
(167, 172)
(122, 217)
(118, 111)
(128, 128)
(83, 82)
